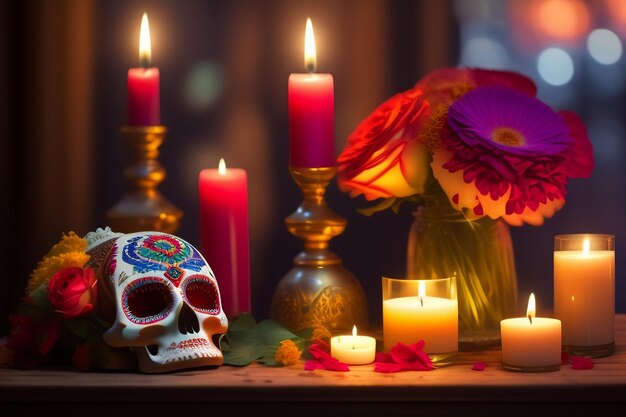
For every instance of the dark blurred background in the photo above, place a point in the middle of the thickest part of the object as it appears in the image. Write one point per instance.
(224, 68)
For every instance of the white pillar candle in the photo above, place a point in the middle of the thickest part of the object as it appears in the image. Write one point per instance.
(432, 319)
(584, 290)
(531, 343)
(354, 349)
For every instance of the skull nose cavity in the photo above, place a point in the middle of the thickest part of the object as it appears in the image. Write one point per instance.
(187, 320)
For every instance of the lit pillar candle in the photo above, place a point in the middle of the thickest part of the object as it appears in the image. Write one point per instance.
(421, 317)
(531, 344)
(354, 349)
(584, 292)
(144, 107)
(224, 240)
(311, 113)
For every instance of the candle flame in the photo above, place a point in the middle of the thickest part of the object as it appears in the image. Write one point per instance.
(145, 48)
(221, 168)
(310, 57)
(530, 311)
(586, 246)
(421, 291)
(354, 330)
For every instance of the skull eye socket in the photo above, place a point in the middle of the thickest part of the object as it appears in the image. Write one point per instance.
(147, 300)
(201, 293)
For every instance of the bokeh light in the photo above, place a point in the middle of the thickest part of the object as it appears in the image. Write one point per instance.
(563, 19)
(604, 46)
(555, 66)
(203, 86)
(484, 52)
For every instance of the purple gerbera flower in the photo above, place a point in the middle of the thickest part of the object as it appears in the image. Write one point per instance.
(508, 121)
(506, 154)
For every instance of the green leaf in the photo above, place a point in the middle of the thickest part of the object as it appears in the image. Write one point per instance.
(383, 205)
(271, 333)
(243, 346)
(40, 297)
(246, 341)
(80, 327)
(268, 356)
(244, 321)
(306, 333)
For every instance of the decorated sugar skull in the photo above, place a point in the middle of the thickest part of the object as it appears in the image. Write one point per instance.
(166, 301)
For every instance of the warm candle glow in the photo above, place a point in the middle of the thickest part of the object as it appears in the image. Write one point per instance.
(221, 168)
(421, 292)
(530, 311)
(145, 48)
(310, 57)
(353, 350)
(586, 246)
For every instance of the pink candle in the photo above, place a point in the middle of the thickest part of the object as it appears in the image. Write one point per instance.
(144, 107)
(311, 113)
(224, 239)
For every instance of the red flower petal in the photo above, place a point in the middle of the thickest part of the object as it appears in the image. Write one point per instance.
(48, 334)
(411, 357)
(581, 362)
(312, 365)
(323, 360)
(387, 367)
(383, 357)
(479, 366)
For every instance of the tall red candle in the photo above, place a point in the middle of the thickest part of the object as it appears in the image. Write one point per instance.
(311, 113)
(144, 105)
(224, 239)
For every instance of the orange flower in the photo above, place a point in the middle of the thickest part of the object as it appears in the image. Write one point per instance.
(287, 353)
(384, 157)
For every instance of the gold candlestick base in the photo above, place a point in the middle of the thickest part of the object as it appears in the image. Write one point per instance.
(318, 290)
(144, 208)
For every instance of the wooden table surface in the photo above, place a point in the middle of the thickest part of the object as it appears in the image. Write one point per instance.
(452, 390)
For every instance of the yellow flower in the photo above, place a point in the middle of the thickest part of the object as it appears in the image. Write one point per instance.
(287, 353)
(69, 251)
(70, 242)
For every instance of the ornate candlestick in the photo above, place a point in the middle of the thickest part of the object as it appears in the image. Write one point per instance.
(144, 208)
(318, 290)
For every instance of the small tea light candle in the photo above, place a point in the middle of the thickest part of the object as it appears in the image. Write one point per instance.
(531, 344)
(353, 350)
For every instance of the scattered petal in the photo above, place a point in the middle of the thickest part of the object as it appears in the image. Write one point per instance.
(403, 357)
(479, 366)
(387, 367)
(577, 362)
(581, 362)
(323, 360)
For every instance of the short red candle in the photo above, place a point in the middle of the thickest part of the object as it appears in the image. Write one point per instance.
(311, 113)
(224, 239)
(144, 103)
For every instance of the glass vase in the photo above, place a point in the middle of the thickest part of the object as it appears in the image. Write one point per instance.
(479, 253)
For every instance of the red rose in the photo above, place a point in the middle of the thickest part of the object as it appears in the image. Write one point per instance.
(383, 156)
(73, 291)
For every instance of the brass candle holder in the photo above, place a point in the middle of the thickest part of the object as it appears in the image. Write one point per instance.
(144, 208)
(318, 290)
